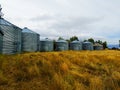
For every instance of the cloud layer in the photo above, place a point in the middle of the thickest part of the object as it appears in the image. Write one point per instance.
(99, 19)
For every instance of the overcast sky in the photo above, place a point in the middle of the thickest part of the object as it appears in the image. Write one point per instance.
(99, 19)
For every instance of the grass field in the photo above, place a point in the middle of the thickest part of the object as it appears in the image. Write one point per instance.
(67, 70)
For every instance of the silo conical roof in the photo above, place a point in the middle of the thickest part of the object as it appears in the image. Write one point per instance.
(4, 22)
(86, 42)
(75, 41)
(61, 40)
(46, 39)
(7, 23)
(27, 30)
(97, 44)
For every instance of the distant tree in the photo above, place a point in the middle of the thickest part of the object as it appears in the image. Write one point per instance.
(60, 38)
(54, 44)
(99, 41)
(74, 38)
(85, 40)
(91, 40)
(68, 40)
(104, 45)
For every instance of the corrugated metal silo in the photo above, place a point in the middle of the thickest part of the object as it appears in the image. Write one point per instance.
(11, 38)
(98, 46)
(61, 45)
(30, 40)
(87, 45)
(46, 45)
(76, 45)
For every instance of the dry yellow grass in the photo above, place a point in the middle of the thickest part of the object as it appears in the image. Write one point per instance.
(67, 70)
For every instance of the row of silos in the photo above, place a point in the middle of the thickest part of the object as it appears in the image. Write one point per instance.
(15, 40)
(49, 45)
(60, 45)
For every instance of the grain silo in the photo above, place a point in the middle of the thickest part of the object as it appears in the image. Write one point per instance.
(61, 45)
(87, 45)
(98, 46)
(30, 40)
(46, 45)
(75, 45)
(11, 40)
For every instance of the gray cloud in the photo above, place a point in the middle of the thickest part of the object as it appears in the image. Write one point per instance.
(74, 23)
(43, 17)
(54, 18)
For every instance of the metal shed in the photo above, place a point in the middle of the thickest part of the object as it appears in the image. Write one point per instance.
(30, 40)
(87, 45)
(75, 45)
(61, 45)
(98, 46)
(11, 38)
(46, 45)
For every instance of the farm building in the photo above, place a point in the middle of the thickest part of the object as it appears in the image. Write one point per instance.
(87, 45)
(61, 45)
(11, 40)
(46, 45)
(98, 46)
(75, 45)
(30, 40)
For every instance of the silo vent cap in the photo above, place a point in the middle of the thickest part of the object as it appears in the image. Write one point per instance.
(25, 28)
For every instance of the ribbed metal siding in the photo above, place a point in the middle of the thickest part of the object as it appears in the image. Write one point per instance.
(30, 42)
(98, 47)
(61, 46)
(75, 45)
(11, 39)
(46, 45)
(38, 42)
(1, 42)
(87, 46)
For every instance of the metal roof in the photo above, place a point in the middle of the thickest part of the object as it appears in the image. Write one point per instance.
(46, 39)
(4, 22)
(7, 23)
(61, 41)
(87, 42)
(26, 30)
(97, 44)
(75, 41)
